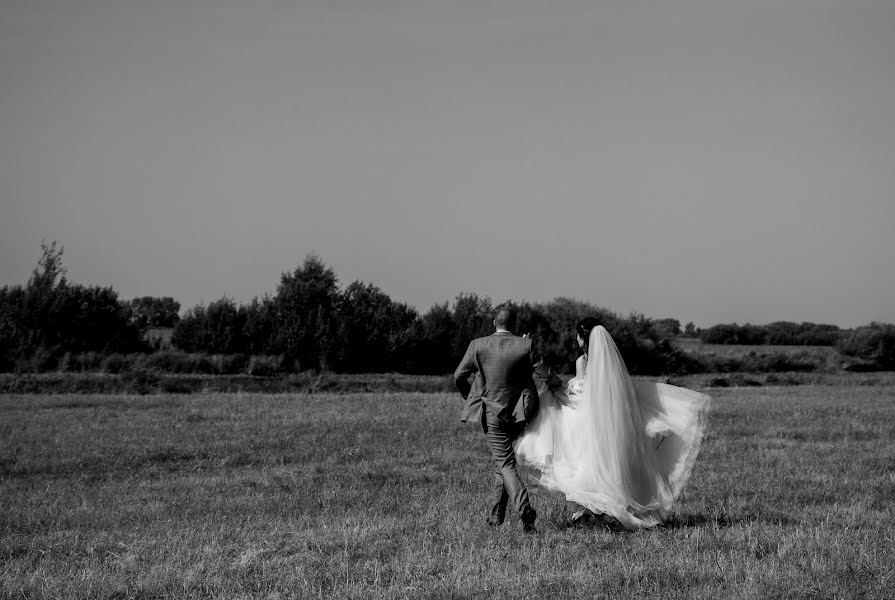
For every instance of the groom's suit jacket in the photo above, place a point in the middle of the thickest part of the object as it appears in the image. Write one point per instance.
(496, 372)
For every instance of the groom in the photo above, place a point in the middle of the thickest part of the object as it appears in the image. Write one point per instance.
(495, 379)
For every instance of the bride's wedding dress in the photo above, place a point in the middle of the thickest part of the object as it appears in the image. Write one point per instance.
(613, 445)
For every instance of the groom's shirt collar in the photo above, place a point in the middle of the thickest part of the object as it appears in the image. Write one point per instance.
(502, 331)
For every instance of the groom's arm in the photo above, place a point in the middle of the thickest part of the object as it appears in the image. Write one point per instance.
(542, 370)
(465, 371)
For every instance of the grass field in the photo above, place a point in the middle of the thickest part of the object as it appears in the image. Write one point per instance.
(383, 496)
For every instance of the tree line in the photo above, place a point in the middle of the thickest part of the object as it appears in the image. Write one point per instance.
(311, 323)
(779, 333)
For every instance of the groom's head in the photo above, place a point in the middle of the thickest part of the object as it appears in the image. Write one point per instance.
(505, 318)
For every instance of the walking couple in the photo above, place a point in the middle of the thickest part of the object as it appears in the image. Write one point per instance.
(619, 450)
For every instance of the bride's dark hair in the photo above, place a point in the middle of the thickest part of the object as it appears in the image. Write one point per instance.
(583, 328)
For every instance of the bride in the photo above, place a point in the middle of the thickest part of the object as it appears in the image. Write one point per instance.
(613, 446)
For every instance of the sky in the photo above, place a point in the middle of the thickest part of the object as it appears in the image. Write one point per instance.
(707, 160)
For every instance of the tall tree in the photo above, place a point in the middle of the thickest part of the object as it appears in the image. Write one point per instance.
(436, 331)
(150, 311)
(369, 329)
(306, 303)
(472, 319)
(259, 318)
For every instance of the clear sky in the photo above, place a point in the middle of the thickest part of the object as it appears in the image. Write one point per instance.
(709, 160)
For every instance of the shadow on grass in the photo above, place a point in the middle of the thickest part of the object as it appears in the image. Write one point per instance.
(683, 521)
(675, 521)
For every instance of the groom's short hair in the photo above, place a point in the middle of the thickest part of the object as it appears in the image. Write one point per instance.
(505, 317)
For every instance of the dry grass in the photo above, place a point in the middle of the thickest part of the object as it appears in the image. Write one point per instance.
(383, 496)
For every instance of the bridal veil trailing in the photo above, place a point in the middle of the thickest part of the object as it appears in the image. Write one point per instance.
(613, 445)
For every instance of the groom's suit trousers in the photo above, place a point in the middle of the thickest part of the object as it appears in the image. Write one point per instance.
(507, 483)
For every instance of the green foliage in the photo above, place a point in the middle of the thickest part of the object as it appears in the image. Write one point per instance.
(472, 319)
(258, 319)
(218, 328)
(310, 324)
(50, 317)
(13, 332)
(306, 302)
(434, 337)
(779, 333)
(873, 343)
(49, 272)
(191, 332)
(263, 366)
(116, 363)
(556, 338)
(81, 362)
(168, 361)
(371, 330)
(667, 328)
(231, 364)
(150, 311)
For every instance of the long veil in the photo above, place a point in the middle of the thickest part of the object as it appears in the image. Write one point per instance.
(614, 467)
(619, 447)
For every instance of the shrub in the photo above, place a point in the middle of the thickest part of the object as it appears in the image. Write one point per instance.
(166, 361)
(81, 362)
(116, 363)
(179, 362)
(740, 380)
(874, 344)
(42, 360)
(263, 366)
(231, 364)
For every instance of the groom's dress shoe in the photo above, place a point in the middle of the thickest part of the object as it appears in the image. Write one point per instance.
(529, 515)
(495, 521)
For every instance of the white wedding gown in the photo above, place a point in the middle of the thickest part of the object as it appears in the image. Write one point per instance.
(613, 445)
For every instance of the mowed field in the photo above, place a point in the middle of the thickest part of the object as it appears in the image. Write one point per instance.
(384, 496)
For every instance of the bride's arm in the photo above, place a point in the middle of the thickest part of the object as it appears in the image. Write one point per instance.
(580, 366)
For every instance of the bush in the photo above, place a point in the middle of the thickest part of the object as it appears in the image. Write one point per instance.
(171, 361)
(81, 362)
(874, 344)
(263, 366)
(49, 317)
(41, 361)
(231, 364)
(779, 333)
(140, 381)
(116, 363)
